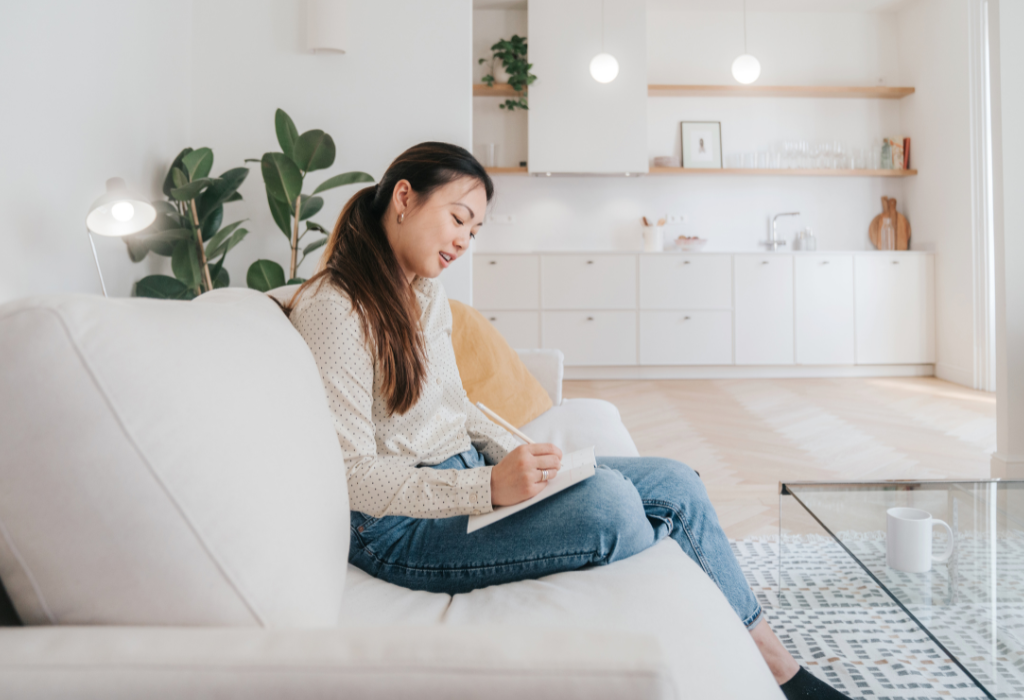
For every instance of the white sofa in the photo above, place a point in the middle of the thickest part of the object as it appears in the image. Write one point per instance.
(206, 397)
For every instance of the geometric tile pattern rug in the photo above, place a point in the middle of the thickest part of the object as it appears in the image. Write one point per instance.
(838, 622)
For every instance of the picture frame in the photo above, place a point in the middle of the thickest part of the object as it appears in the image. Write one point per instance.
(701, 144)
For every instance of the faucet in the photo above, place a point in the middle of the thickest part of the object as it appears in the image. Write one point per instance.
(773, 243)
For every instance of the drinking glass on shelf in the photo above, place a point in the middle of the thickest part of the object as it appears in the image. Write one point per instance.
(734, 160)
(763, 159)
(749, 159)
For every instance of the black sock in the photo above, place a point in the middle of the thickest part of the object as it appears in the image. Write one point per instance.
(806, 686)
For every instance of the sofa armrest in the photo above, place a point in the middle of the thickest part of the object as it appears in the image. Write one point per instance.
(373, 662)
(547, 367)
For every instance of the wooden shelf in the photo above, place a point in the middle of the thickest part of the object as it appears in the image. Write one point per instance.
(812, 172)
(499, 90)
(785, 172)
(887, 93)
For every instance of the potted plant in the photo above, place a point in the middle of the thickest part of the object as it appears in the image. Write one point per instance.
(512, 54)
(188, 228)
(284, 174)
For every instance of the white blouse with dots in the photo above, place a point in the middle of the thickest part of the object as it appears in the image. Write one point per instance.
(382, 451)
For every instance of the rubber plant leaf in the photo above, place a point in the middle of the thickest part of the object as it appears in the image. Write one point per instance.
(282, 177)
(314, 151)
(198, 163)
(310, 206)
(264, 275)
(185, 263)
(287, 134)
(162, 287)
(343, 179)
(169, 183)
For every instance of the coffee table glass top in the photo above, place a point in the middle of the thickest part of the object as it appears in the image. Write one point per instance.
(973, 605)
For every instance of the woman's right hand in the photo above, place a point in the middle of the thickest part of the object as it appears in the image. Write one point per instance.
(519, 476)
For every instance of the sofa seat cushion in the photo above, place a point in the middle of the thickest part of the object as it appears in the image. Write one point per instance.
(579, 423)
(661, 592)
(167, 463)
(372, 601)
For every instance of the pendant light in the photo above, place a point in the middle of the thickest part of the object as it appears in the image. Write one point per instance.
(603, 66)
(745, 68)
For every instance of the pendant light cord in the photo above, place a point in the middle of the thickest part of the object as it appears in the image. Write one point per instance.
(602, 25)
(744, 26)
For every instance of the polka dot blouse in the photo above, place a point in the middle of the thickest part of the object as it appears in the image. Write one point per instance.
(382, 451)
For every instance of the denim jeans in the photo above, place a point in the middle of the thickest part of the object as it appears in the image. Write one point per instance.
(627, 506)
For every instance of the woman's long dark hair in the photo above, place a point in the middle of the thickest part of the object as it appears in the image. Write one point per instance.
(359, 261)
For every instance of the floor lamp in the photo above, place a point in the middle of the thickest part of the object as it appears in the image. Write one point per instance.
(117, 213)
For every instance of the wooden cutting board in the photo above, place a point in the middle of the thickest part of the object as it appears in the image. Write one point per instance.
(902, 225)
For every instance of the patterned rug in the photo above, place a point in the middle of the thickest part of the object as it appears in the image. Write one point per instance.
(842, 626)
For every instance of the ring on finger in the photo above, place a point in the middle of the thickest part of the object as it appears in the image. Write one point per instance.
(544, 475)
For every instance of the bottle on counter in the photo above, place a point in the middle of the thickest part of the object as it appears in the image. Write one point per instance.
(810, 242)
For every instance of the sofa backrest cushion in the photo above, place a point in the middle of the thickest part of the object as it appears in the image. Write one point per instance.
(167, 463)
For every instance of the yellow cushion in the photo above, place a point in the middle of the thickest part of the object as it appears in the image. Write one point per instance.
(491, 371)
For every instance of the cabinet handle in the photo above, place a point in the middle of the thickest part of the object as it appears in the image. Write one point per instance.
(686, 262)
(824, 262)
(590, 262)
(895, 262)
(686, 318)
(493, 318)
(493, 262)
(590, 318)
(764, 262)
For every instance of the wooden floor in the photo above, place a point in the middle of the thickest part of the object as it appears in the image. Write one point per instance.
(745, 435)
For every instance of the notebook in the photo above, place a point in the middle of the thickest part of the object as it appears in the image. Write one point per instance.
(576, 466)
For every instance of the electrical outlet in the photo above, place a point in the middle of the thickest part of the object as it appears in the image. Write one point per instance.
(676, 218)
(500, 219)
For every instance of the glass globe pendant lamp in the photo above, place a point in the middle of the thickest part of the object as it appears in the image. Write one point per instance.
(603, 66)
(745, 69)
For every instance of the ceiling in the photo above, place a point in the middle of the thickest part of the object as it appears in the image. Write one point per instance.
(735, 5)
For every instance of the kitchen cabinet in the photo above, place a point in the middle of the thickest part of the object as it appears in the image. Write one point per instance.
(764, 309)
(506, 282)
(588, 281)
(521, 329)
(685, 338)
(895, 313)
(592, 337)
(686, 282)
(576, 124)
(823, 285)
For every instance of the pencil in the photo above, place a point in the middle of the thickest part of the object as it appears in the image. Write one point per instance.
(504, 423)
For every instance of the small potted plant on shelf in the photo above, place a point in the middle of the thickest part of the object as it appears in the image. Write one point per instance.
(188, 228)
(512, 54)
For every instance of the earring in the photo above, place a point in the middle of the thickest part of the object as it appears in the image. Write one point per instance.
(401, 216)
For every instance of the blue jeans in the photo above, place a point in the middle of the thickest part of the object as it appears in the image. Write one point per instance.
(627, 506)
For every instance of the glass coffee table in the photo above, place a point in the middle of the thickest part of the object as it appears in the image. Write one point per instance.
(972, 607)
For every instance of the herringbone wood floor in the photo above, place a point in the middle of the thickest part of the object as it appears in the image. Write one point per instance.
(745, 435)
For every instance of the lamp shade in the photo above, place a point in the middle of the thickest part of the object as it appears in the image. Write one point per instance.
(604, 67)
(118, 213)
(746, 69)
(326, 26)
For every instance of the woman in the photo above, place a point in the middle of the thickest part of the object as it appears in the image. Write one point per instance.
(420, 457)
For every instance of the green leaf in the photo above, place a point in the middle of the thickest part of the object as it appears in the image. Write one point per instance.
(211, 224)
(191, 190)
(264, 275)
(198, 163)
(179, 178)
(225, 245)
(314, 151)
(310, 206)
(162, 287)
(296, 280)
(313, 246)
(343, 179)
(222, 278)
(223, 189)
(312, 225)
(164, 242)
(282, 214)
(282, 177)
(234, 197)
(286, 131)
(169, 183)
(215, 241)
(185, 263)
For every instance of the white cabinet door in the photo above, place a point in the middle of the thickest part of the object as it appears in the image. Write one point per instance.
(764, 309)
(686, 337)
(895, 308)
(576, 124)
(588, 281)
(591, 337)
(521, 329)
(506, 281)
(685, 282)
(823, 286)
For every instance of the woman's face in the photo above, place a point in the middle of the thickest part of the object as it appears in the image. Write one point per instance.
(436, 232)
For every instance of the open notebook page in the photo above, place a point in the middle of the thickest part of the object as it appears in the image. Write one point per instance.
(576, 466)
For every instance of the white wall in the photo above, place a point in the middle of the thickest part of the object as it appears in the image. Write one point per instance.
(685, 47)
(90, 91)
(934, 58)
(1007, 59)
(406, 78)
(103, 88)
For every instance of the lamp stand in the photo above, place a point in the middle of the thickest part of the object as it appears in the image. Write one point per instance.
(97, 259)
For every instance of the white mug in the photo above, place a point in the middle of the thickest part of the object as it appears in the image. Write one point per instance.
(654, 239)
(908, 540)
